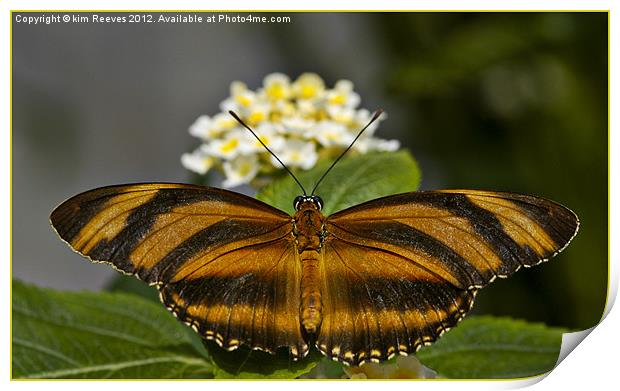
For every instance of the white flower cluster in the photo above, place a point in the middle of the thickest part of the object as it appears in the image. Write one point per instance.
(300, 121)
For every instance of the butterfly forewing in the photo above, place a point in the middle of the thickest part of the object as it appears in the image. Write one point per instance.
(401, 269)
(223, 262)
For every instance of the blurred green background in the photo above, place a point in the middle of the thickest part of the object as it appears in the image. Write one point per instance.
(499, 101)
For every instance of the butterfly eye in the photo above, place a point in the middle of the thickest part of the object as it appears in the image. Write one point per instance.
(318, 202)
(298, 200)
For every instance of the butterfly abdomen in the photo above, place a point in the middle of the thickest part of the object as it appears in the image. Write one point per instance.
(311, 306)
(308, 231)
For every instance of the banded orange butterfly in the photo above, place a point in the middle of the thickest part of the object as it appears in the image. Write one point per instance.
(366, 283)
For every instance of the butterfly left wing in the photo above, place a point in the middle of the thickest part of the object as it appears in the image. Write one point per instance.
(400, 270)
(223, 262)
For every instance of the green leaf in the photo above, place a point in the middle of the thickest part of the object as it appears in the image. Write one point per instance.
(129, 284)
(326, 368)
(355, 179)
(488, 347)
(99, 335)
(244, 363)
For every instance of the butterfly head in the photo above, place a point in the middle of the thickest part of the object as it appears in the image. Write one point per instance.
(301, 200)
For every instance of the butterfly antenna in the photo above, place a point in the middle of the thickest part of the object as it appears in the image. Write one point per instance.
(373, 119)
(235, 116)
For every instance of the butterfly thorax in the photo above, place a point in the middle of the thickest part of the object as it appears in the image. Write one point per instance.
(309, 232)
(308, 227)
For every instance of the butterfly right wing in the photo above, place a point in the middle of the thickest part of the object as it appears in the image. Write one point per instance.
(400, 270)
(224, 263)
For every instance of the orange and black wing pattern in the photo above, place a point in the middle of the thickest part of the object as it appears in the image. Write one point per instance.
(400, 270)
(224, 263)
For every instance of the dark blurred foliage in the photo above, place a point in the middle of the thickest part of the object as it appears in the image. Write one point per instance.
(514, 102)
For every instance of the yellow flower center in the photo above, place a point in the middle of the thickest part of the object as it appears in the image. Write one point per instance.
(276, 91)
(338, 99)
(256, 117)
(226, 123)
(308, 91)
(321, 115)
(230, 145)
(243, 100)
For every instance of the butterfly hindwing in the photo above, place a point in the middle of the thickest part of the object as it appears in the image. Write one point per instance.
(246, 296)
(223, 262)
(413, 262)
(377, 303)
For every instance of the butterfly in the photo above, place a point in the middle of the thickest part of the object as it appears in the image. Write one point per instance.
(381, 278)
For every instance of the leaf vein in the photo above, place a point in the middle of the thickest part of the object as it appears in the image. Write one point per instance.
(117, 366)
